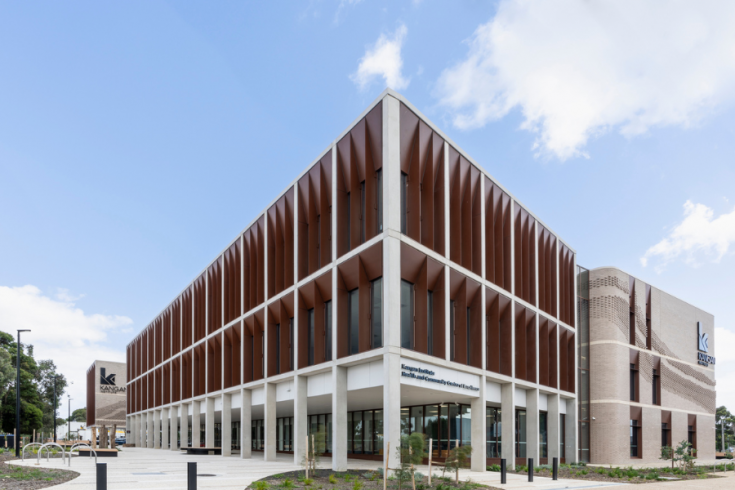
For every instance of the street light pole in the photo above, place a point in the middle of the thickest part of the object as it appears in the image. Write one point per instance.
(54, 378)
(722, 433)
(68, 421)
(17, 398)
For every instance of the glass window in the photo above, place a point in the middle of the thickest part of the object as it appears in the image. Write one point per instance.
(279, 436)
(404, 202)
(328, 331)
(520, 433)
(443, 429)
(367, 439)
(310, 320)
(632, 382)
(378, 431)
(563, 435)
(430, 322)
(290, 344)
(431, 427)
(379, 198)
(417, 419)
(493, 432)
(376, 315)
(357, 423)
(407, 291)
(353, 312)
(633, 438)
(466, 413)
(664, 434)
(543, 434)
(654, 386)
(350, 433)
(405, 422)
(455, 425)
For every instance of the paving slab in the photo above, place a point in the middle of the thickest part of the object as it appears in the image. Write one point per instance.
(144, 469)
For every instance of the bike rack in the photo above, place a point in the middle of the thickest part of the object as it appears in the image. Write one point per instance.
(48, 447)
(23, 453)
(81, 444)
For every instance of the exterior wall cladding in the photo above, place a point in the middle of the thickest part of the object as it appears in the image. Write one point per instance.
(644, 369)
(391, 204)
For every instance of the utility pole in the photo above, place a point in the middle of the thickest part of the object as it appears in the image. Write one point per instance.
(54, 378)
(17, 399)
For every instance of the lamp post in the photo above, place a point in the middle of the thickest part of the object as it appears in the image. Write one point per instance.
(17, 398)
(68, 421)
(55, 378)
(722, 433)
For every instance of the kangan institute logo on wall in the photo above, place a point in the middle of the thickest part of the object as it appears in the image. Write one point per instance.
(107, 383)
(703, 346)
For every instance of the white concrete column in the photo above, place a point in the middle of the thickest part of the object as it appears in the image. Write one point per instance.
(150, 430)
(184, 423)
(391, 164)
(571, 448)
(157, 429)
(300, 419)
(165, 438)
(174, 411)
(269, 409)
(196, 424)
(552, 425)
(246, 434)
(226, 425)
(478, 423)
(141, 430)
(532, 425)
(392, 405)
(508, 421)
(209, 422)
(339, 418)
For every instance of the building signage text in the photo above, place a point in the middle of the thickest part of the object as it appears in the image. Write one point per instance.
(703, 347)
(112, 390)
(427, 375)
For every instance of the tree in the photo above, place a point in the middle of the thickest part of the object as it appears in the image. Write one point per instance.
(412, 453)
(729, 421)
(46, 378)
(37, 381)
(78, 415)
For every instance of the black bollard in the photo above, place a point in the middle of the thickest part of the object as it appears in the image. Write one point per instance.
(530, 469)
(555, 464)
(191, 471)
(503, 476)
(101, 476)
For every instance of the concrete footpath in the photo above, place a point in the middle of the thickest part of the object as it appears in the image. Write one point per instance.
(143, 469)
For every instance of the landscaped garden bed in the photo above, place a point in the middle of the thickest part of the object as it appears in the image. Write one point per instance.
(321, 479)
(15, 477)
(627, 475)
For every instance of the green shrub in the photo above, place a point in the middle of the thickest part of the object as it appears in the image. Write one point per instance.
(521, 469)
(357, 485)
(287, 483)
(332, 479)
(494, 467)
(308, 482)
(261, 485)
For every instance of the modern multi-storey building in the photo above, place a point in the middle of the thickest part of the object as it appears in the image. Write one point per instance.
(651, 371)
(393, 287)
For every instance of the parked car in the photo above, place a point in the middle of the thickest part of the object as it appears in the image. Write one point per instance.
(119, 441)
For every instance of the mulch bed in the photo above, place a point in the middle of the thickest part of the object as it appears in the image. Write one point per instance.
(620, 475)
(354, 480)
(14, 477)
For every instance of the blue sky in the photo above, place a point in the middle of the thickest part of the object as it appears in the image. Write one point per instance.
(138, 138)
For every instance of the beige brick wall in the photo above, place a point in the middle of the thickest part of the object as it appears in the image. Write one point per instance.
(687, 388)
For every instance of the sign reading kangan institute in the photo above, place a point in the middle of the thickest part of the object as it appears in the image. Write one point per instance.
(432, 376)
(107, 383)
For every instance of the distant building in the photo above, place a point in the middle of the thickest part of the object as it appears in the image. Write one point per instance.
(106, 395)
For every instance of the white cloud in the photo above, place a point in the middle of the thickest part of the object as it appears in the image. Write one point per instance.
(383, 59)
(340, 9)
(697, 235)
(61, 332)
(63, 294)
(578, 69)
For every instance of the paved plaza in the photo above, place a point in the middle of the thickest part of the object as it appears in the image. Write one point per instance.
(143, 469)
